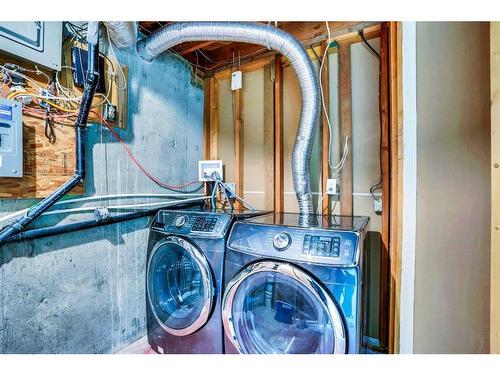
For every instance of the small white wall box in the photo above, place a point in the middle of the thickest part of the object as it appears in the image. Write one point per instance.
(331, 186)
(208, 167)
(236, 80)
(36, 41)
(11, 138)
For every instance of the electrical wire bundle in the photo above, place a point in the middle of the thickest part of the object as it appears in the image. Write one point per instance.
(225, 192)
(57, 102)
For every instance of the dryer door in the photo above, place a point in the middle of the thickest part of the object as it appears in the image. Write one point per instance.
(180, 286)
(276, 307)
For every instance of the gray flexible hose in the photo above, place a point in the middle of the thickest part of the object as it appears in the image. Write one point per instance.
(272, 38)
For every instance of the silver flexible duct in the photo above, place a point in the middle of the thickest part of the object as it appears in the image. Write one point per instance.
(123, 34)
(272, 38)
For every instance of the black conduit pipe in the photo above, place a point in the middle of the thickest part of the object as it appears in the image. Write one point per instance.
(80, 132)
(87, 224)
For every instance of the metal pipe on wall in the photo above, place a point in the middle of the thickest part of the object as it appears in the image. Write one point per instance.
(87, 224)
(272, 38)
(80, 132)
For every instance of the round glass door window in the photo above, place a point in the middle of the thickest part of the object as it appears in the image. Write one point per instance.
(275, 307)
(180, 286)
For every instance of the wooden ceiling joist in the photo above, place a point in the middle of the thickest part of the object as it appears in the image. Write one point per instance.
(214, 56)
(187, 48)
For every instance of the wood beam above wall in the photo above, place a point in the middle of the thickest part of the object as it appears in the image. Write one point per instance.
(187, 48)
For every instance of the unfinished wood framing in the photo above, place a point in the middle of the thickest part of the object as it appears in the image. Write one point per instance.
(346, 203)
(269, 136)
(214, 118)
(245, 68)
(495, 188)
(385, 188)
(239, 139)
(396, 181)
(391, 151)
(207, 113)
(279, 199)
(325, 133)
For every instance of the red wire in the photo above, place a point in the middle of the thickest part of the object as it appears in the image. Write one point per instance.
(137, 163)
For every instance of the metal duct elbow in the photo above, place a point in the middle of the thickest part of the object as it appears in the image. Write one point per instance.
(272, 38)
(123, 34)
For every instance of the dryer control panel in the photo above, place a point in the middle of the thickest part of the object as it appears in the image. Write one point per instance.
(312, 245)
(199, 224)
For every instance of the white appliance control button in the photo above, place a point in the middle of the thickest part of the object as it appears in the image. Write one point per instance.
(180, 221)
(282, 241)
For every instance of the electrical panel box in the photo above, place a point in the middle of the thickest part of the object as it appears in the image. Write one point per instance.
(36, 41)
(11, 138)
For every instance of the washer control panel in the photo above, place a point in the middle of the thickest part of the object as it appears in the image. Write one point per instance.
(201, 224)
(326, 246)
(313, 245)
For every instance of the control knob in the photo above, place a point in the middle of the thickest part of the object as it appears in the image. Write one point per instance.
(282, 241)
(180, 221)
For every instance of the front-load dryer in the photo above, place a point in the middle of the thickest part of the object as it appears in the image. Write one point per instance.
(184, 279)
(294, 289)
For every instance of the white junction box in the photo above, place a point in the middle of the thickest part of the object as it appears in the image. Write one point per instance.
(331, 186)
(237, 80)
(208, 168)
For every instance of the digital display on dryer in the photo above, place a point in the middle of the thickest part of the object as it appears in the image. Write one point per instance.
(321, 246)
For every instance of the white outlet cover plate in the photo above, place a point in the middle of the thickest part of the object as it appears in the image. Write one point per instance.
(331, 186)
(207, 167)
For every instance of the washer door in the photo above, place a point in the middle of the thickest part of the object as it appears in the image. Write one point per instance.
(275, 307)
(180, 286)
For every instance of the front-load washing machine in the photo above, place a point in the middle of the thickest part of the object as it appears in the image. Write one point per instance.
(184, 279)
(294, 289)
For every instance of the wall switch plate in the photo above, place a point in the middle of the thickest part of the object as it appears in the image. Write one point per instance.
(232, 189)
(331, 186)
(209, 168)
(237, 80)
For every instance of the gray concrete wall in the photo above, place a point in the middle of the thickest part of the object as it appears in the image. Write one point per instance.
(453, 188)
(84, 292)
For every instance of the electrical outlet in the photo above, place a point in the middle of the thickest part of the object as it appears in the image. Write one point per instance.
(377, 205)
(109, 112)
(331, 186)
(209, 168)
